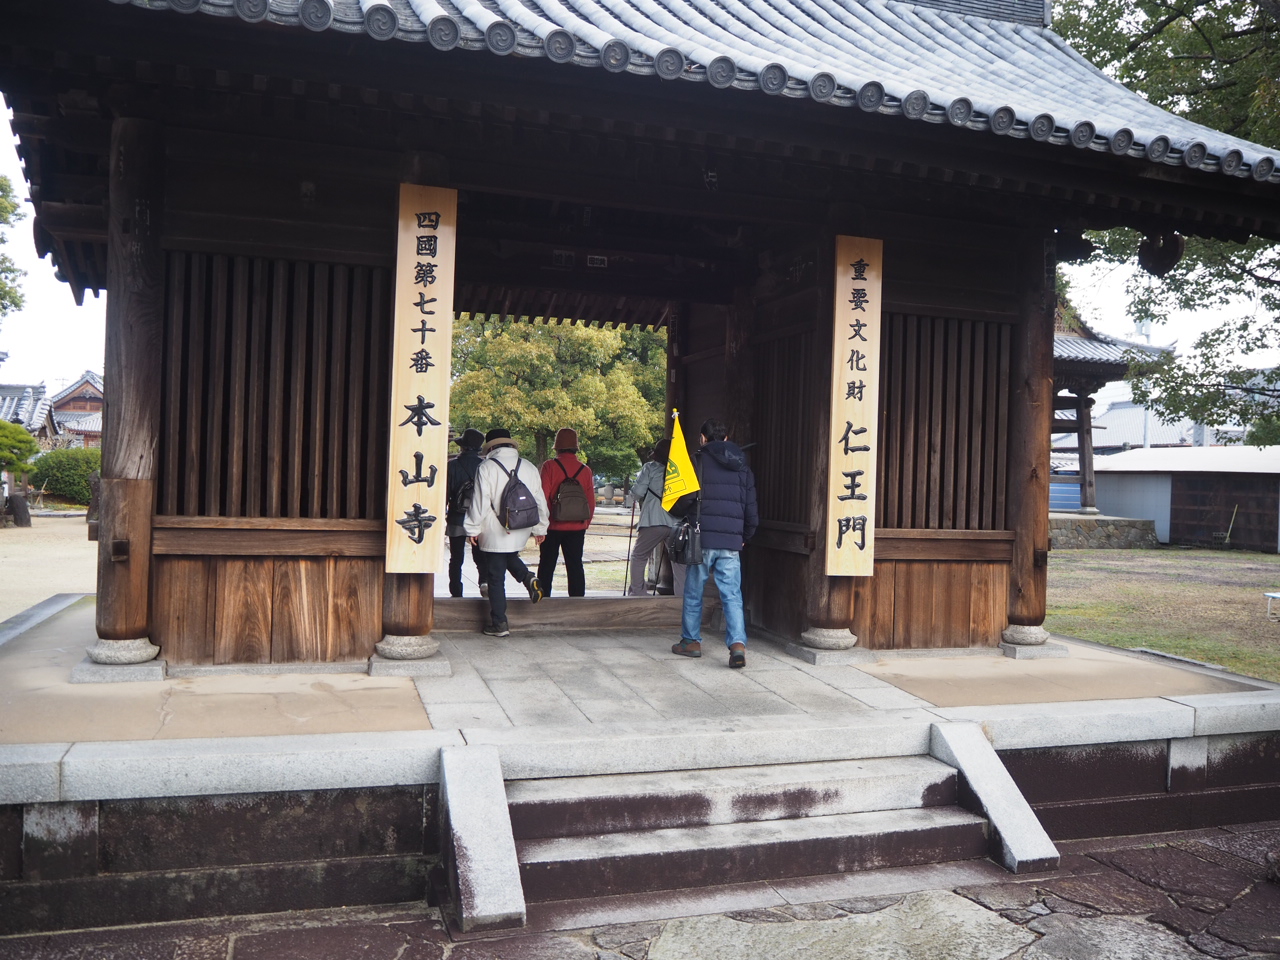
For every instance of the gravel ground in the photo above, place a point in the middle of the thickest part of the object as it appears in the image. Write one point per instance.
(51, 556)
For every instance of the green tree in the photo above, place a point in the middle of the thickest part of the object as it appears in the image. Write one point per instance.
(1217, 63)
(1264, 433)
(535, 378)
(10, 213)
(17, 447)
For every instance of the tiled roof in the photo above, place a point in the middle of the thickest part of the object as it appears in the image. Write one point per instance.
(923, 61)
(79, 421)
(1104, 349)
(25, 404)
(88, 377)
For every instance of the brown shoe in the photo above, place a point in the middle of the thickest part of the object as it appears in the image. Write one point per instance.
(688, 648)
(737, 656)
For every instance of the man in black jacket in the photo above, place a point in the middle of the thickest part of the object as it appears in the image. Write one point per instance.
(728, 519)
(462, 477)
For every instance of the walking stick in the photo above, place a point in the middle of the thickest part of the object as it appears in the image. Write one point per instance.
(627, 569)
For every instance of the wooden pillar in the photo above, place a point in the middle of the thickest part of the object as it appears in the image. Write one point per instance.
(676, 323)
(739, 365)
(1084, 428)
(1030, 420)
(131, 405)
(408, 604)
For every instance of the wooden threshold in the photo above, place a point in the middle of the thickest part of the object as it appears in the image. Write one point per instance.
(267, 537)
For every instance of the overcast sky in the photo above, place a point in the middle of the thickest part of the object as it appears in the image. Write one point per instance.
(50, 339)
(54, 341)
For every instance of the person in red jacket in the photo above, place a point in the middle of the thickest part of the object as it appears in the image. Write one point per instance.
(571, 496)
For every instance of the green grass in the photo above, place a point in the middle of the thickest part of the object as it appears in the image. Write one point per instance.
(1202, 604)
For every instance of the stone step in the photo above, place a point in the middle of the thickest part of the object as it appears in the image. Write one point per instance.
(645, 860)
(582, 806)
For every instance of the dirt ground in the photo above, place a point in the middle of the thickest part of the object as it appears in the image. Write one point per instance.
(1203, 604)
(53, 555)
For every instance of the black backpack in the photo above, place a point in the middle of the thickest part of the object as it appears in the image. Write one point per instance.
(570, 504)
(517, 509)
(461, 500)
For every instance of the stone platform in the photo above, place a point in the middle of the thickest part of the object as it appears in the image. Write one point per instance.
(190, 780)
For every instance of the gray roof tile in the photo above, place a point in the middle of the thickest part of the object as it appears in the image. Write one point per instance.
(937, 60)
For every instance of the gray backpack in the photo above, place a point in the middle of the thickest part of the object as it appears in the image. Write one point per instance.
(570, 504)
(517, 509)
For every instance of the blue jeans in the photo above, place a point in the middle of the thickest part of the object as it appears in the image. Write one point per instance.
(726, 565)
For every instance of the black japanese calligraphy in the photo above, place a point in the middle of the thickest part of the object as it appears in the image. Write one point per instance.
(422, 331)
(857, 361)
(423, 303)
(846, 525)
(416, 523)
(429, 479)
(852, 484)
(853, 390)
(418, 415)
(428, 221)
(859, 268)
(857, 327)
(860, 299)
(421, 362)
(424, 274)
(849, 434)
(427, 245)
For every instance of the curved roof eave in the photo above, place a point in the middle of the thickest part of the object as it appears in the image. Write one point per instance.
(883, 56)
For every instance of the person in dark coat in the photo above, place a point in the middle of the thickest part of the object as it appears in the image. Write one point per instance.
(462, 470)
(728, 520)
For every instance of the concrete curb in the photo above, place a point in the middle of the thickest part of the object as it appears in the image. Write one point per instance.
(480, 842)
(20, 623)
(1025, 847)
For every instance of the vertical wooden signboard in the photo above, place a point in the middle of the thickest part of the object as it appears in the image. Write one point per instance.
(421, 346)
(855, 405)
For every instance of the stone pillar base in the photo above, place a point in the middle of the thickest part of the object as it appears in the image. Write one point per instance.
(826, 638)
(406, 648)
(1025, 636)
(1089, 511)
(123, 651)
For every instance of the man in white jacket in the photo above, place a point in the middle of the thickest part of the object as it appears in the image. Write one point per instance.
(499, 547)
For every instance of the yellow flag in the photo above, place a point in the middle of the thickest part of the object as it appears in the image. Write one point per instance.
(680, 478)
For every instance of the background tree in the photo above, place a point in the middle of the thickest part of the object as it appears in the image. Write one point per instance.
(535, 378)
(17, 447)
(1217, 63)
(10, 213)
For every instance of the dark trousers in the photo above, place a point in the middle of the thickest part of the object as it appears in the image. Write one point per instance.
(457, 553)
(495, 566)
(570, 541)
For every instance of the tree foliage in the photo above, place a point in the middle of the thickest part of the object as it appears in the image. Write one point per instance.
(1217, 63)
(17, 447)
(65, 473)
(535, 378)
(10, 213)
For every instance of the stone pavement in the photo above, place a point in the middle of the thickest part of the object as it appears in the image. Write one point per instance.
(1181, 896)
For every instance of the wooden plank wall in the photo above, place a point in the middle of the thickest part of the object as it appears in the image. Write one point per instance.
(1202, 505)
(275, 380)
(944, 421)
(274, 401)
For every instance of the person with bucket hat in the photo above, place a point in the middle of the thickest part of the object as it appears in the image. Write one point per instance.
(570, 491)
(490, 526)
(459, 489)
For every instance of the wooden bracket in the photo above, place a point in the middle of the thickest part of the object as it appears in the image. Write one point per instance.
(119, 551)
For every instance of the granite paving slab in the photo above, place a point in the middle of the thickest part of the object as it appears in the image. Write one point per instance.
(1104, 938)
(1178, 872)
(937, 925)
(1253, 921)
(1247, 846)
(1109, 892)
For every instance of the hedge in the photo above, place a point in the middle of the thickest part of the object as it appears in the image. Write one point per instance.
(67, 473)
